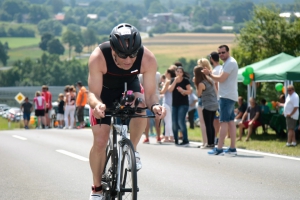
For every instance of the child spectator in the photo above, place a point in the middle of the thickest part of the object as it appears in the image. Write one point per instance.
(60, 113)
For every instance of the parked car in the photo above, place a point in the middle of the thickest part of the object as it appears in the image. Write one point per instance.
(4, 110)
(86, 115)
(15, 114)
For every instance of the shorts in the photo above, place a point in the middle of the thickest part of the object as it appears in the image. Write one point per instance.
(226, 110)
(217, 115)
(290, 123)
(255, 124)
(109, 96)
(40, 113)
(60, 117)
(26, 116)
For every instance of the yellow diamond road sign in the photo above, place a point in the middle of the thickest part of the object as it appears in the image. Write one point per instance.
(20, 97)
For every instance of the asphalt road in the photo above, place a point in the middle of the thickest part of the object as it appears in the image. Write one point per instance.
(34, 166)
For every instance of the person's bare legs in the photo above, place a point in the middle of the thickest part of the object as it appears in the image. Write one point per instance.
(202, 125)
(241, 130)
(157, 129)
(137, 127)
(147, 129)
(97, 153)
(217, 127)
(291, 132)
(223, 133)
(232, 131)
(250, 129)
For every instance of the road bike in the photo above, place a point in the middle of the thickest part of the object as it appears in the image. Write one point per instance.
(119, 177)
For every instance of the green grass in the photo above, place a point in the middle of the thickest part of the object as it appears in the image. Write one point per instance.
(16, 42)
(5, 126)
(269, 142)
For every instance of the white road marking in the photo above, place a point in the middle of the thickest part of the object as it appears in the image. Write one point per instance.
(73, 155)
(259, 153)
(19, 137)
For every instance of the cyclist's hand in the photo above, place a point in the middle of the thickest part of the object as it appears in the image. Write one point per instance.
(99, 111)
(159, 111)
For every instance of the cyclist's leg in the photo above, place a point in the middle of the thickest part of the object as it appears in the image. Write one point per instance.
(97, 153)
(137, 125)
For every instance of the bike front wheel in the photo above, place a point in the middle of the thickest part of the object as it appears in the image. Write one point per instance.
(128, 181)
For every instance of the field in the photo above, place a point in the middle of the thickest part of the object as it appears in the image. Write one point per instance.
(167, 48)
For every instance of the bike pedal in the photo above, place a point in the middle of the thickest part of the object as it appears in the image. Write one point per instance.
(105, 186)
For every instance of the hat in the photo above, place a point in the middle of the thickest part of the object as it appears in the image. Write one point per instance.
(215, 56)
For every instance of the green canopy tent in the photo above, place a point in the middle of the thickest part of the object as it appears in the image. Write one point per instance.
(289, 70)
(269, 62)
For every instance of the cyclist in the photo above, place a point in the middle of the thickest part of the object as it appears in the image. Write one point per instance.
(113, 63)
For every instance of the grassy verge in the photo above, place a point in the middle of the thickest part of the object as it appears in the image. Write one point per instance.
(270, 142)
(4, 125)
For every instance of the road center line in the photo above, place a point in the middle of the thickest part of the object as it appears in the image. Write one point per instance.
(19, 137)
(73, 155)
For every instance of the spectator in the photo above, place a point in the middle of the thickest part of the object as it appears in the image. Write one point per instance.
(253, 123)
(207, 91)
(215, 62)
(80, 103)
(48, 98)
(192, 109)
(280, 106)
(157, 121)
(167, 103)
(228, 96)
(60, 113)
(264, 108)
(180, 87)
(40, 107)
(240, 111)
(26, 108)
(291, 113)
(69, 108)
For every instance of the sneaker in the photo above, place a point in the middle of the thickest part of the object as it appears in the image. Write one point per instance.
(230, 151)
(294, 144)
(288, 144)
(138, 161)
(146, 141)
(184, 144)
(96, 196)
(203, 146)
(158, 140)
(216, 151)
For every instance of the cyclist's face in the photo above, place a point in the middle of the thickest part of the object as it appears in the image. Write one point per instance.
(123, 63)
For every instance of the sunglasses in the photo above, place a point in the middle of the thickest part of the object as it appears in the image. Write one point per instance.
(222, 52)
(124, 56)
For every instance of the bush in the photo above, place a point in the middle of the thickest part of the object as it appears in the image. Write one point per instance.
(20, 32)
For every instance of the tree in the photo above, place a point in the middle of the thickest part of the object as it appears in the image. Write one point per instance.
(38, 13)
(74, 27)
(55, 47)
(14, 7)
(50, 26)
(46, 37)
(266, 35)
(78, 48)
(89, 37)
(57, 5)
(3, 54)
(70, 38)
(156, 7)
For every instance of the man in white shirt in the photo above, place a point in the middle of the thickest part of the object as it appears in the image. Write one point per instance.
(228, 97)
(291, 113)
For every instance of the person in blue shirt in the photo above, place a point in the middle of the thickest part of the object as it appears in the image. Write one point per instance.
(264, 108)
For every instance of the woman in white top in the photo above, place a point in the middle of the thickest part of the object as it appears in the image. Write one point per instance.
(167, 103)
(70, 107)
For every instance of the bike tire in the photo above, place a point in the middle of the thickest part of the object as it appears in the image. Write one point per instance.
(128, 181)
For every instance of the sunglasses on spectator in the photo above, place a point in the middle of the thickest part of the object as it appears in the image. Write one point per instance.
(223, 52)
(124, 56)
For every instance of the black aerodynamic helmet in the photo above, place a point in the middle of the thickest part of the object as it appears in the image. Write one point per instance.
(120, 34)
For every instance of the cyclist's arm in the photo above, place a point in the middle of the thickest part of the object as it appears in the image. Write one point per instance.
(95, 78)
(148, 69)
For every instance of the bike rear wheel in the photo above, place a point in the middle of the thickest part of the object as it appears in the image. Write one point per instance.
(128, 181)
